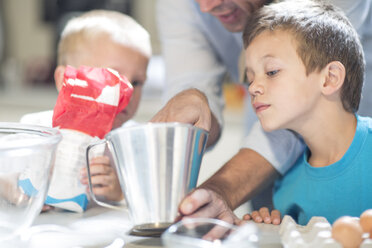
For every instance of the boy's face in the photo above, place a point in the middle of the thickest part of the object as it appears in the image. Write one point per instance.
(282, 95)
(231, 13)
(103, 52)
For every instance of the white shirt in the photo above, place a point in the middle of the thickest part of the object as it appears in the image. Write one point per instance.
(45, 118)
(198, 52)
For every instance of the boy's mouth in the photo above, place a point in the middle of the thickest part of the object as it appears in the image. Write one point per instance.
(259, 107)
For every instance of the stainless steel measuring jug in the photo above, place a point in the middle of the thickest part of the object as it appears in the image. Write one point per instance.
(157, 165)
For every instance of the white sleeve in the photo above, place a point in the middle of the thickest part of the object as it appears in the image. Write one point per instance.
(43, 118)
(189, 58)
(281, 148)
(356, 10)
(359, 13)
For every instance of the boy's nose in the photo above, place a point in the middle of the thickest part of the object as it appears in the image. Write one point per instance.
(209, 5)
(255, 88)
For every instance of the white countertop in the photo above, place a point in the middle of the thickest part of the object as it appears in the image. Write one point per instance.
(96, 227)
(101, 227)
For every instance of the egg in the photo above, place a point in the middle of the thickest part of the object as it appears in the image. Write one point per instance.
(366, 221)
(347, 231)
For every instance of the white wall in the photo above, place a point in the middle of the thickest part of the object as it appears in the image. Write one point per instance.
(29, 39)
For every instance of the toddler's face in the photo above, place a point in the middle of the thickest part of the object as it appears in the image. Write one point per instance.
(282, 95)
(105, 53)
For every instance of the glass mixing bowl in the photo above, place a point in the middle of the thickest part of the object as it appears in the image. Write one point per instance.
(26, 157)
(210, 233)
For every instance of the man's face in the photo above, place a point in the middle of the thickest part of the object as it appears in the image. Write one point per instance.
(231, 13)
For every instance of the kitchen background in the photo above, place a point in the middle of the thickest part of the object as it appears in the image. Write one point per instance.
(29, 32)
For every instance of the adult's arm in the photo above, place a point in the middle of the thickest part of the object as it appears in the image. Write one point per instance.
(245, 175)
(190, 62)
(262, 159)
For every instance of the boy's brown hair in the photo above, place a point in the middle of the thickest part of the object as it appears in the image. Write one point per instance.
(323, 34)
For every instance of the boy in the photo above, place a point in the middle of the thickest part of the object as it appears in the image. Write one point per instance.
(105, 39)
(305, 69)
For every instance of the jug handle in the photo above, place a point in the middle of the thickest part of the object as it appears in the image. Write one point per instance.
(100, 203)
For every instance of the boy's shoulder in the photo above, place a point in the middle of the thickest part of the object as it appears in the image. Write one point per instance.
(365, 128)
(365, 120)
(43, 118)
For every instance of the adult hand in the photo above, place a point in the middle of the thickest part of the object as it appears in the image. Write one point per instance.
(104, 179)
(207, 203)
(243, 176)
(190, 106)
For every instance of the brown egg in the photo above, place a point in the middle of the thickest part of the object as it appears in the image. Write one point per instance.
(347, 231)
(366, 221)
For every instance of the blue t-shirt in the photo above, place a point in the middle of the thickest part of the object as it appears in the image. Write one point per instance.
(342, 188)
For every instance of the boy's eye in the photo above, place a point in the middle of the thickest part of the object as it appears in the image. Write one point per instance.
(246, 80)
(272, 73)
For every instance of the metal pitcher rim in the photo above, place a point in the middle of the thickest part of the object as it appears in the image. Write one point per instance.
(157, 124)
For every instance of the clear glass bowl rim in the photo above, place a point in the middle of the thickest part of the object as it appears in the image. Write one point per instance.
(170, 234)
(50, 136)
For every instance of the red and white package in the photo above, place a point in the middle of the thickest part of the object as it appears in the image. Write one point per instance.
(86, 107)
(90, 99)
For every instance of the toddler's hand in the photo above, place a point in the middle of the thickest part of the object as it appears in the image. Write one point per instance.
(104, 179)
(46, 208)
(263, 215)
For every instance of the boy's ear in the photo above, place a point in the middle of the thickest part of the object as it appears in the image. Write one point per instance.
(334, 77)
(58, 76)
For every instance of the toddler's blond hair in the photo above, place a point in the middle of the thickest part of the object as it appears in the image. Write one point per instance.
(121, 28)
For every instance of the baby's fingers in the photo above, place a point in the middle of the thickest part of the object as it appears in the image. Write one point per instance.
(98, 169)
(102, 181)
(265, 215)
(256, 217)
(100, 160)
(275, 217)
(247, 217)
